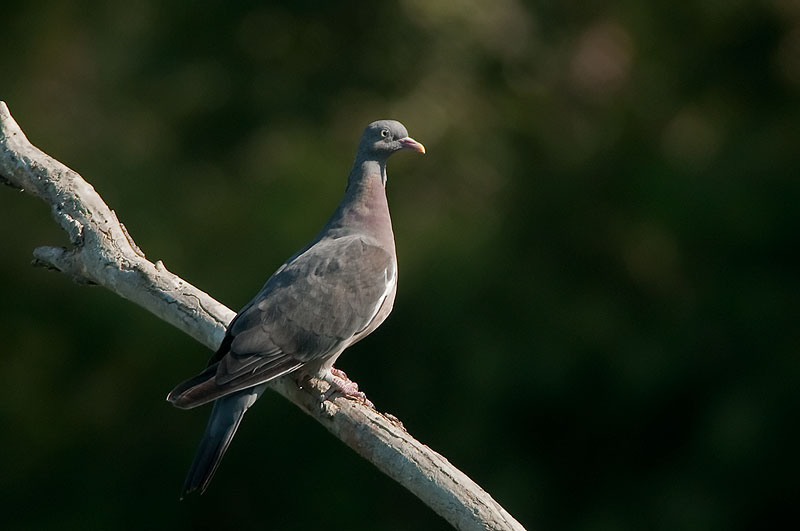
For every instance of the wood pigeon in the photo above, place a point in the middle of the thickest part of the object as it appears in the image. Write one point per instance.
(329, 295)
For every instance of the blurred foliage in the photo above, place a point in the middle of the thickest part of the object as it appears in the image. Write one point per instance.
(597, 315)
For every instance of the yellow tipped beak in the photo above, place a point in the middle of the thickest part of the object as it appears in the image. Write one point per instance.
(410, 143)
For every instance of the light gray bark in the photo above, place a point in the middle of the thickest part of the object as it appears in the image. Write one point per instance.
(103, 253)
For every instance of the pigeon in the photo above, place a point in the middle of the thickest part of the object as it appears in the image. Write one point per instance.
(332, 293)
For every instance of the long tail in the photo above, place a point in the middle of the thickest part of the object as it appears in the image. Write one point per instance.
(225, 418)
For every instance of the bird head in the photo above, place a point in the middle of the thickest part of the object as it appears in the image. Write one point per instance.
(384, 137)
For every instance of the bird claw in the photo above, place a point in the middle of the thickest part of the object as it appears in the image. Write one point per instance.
(339, 373)
(340, 383)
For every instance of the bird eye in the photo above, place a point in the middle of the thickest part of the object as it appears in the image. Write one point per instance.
(385, 133)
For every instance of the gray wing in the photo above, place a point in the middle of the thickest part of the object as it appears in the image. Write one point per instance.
(306, 311)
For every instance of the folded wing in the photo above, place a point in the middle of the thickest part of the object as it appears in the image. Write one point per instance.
(309, 310)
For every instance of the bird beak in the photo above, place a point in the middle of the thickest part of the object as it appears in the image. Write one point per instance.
(410, 143)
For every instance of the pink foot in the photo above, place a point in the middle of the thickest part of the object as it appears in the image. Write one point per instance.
(340, 383)
(339, 373)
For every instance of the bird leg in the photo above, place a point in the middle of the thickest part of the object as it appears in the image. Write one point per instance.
(340, 383)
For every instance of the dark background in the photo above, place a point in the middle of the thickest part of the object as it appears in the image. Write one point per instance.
(597, 311)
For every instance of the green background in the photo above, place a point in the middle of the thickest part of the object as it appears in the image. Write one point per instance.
(597, 315)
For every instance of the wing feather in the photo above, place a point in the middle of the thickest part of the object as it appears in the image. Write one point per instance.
(309, 309)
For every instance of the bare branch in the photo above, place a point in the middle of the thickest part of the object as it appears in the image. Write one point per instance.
(103, 253)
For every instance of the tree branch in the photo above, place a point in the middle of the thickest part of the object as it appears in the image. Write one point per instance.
(103, 252)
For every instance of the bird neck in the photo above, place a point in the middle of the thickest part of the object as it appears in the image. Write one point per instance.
(364, 206)
(365, 171)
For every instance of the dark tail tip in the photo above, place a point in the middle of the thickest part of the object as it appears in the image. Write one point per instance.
(222, 425)
(205, 464)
